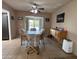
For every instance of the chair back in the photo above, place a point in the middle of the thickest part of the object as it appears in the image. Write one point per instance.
(42, 35)
(33, 29)
(23, 35)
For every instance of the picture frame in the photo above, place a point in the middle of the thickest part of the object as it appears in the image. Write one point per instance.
(60, 18)
(12, 17)
(47, 19)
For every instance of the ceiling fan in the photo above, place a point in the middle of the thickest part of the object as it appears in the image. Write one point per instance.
(35, 8)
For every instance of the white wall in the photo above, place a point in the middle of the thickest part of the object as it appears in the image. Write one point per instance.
(70, 22)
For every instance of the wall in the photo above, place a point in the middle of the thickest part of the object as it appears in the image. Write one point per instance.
(22, 13)
(16, 24)
(12, 22)
(70, 22)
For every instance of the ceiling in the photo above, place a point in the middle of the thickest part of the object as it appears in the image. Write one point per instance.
(25, 5)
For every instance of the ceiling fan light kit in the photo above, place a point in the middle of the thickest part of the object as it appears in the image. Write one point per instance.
(34, 11)
(35, 8)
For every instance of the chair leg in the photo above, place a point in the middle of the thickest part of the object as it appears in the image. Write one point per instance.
(21, 43)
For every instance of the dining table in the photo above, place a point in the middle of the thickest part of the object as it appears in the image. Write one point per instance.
(34, 35)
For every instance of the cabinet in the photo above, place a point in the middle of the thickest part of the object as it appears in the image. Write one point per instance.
(58, 35)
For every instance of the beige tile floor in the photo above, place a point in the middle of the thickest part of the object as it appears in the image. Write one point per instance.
(11, 49)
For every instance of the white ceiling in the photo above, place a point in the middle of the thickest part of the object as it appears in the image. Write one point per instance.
(26, 5)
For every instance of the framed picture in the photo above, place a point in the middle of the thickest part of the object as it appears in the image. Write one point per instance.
(12, 17)
(47, 19)
(60, 18)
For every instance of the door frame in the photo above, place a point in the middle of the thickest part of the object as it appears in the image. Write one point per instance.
(9, 27)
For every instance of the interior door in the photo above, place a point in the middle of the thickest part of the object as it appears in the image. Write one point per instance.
(5, 30)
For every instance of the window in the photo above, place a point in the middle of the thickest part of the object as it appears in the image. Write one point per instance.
(35, 22)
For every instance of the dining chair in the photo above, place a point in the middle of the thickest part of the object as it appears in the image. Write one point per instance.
(42, 35)
(31, 47)
(24, 36)
(41, 39)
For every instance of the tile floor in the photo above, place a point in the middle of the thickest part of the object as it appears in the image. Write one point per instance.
(11, 49)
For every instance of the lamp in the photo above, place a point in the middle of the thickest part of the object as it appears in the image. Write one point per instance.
(34, 11)
(34, 6)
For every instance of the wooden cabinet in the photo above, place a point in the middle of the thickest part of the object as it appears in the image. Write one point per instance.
(59, 35)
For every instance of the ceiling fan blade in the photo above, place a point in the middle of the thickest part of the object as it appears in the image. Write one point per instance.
(39, 11)
(35, 4)
(41, 8)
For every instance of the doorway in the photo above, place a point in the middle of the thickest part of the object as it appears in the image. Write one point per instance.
(5, 30)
